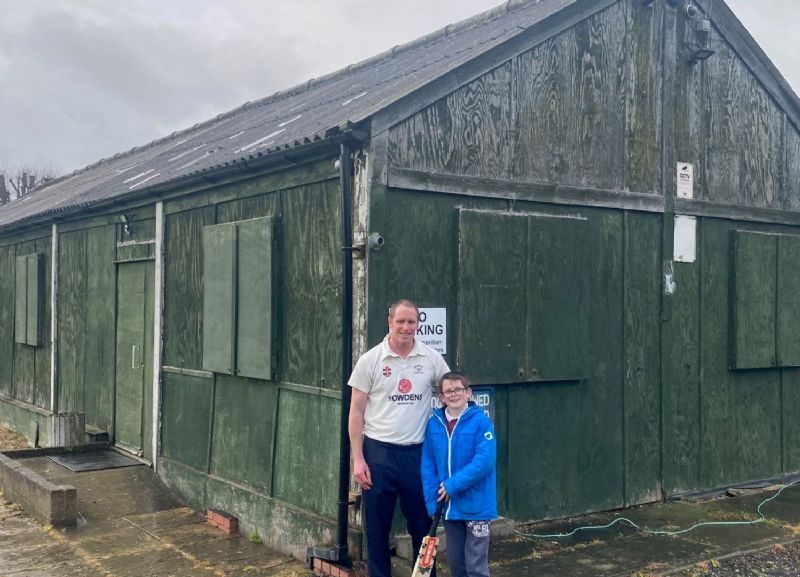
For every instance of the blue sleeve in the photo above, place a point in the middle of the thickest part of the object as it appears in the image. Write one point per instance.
(430, 479)
(482, 463)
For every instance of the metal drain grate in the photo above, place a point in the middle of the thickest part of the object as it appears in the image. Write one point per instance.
(93, 461)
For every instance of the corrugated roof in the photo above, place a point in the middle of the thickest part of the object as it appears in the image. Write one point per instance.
(287, 119)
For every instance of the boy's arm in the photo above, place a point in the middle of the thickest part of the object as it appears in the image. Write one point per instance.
(482, 464)
(430, 479)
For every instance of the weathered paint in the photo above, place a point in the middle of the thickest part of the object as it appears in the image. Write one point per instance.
(641, 403)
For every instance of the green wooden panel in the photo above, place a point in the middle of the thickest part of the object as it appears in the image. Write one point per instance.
(7, 312)
(141, 229)
(183, 287)
(680, 378)
(244, 425)
(21, 296)
(788, 305)
(569, 95)
(100, 303)
(642, 361)
(186, 422)
(306, 452)
(219, 304)
(422, 267)
(134, 252)
(149, 312)
(33, 300)
(468, 132)
(600, 418)
(24, 388)
(740, 436)
(312, 283)
(501, 397)
(72, 318)
(755, 285)
(557, 299)
(543, 421)
(247, 208)
(130, 353)
(42, 358)
(254, 300)
(790, 406)
(493, 259)
(743, 129)
(644, 46)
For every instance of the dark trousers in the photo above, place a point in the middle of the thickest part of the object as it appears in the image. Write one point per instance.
(395, 472)
(468, 548)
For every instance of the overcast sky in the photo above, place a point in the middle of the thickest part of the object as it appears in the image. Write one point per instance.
(83, 79)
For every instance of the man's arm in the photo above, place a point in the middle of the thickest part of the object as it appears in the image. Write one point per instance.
(358, 403)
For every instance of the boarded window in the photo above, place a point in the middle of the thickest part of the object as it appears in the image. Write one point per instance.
(237, 298)
(766, 314)
(522, 297)
(28, 295)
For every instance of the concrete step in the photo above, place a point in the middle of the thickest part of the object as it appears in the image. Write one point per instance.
(95, 435)
(501, 527)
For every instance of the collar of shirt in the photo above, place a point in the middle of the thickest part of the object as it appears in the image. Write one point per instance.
(386, 350)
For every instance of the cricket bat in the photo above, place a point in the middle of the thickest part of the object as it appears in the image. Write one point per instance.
(427, 552)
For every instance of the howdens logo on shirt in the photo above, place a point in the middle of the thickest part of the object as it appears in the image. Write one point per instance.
(405, 398)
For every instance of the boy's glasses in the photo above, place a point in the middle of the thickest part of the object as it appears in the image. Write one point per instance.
(453, 392)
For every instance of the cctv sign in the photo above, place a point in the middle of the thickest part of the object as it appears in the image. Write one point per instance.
(432, 328)
(685, 180)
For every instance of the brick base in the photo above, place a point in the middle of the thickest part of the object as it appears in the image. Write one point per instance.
(328, 569)
(224, 521)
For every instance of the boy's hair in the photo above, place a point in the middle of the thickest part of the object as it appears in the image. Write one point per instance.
(452, 376)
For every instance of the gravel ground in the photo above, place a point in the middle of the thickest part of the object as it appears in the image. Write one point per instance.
(10, 440)
(778, 561)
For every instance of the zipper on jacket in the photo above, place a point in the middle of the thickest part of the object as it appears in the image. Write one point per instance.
(449, 452)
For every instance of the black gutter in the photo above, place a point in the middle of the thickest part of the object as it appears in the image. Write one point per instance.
(339, 554)
(345, 182)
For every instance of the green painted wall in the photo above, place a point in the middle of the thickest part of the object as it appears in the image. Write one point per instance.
(660, 410)
(659, 407)
(87, 323)
(25, 369)
(272, 438)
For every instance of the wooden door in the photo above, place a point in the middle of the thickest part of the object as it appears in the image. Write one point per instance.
(134, 358)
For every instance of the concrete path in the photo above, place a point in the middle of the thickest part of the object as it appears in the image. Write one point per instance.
(622, 551)
(129, 525)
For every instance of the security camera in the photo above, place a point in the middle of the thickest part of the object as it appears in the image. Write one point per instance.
(375, 241)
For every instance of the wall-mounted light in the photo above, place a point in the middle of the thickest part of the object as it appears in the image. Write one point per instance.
(699, 50)
(127, 223)
(698, 54)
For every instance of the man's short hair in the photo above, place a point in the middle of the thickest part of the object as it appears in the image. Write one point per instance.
(402, 303)
(453, 376)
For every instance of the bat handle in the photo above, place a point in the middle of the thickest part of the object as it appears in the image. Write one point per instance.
(436, 517)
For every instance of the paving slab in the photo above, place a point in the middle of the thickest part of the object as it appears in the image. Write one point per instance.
(130, 525)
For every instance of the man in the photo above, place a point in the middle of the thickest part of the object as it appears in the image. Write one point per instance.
(392, 390)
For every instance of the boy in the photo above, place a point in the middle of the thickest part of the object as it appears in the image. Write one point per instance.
(459, 467)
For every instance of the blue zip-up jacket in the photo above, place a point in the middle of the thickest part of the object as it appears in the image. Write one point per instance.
(465, 463)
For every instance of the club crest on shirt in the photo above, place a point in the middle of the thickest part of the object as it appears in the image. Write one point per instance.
(418, 369)
(387, 372)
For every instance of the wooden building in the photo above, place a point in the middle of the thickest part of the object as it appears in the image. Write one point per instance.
(603, 196)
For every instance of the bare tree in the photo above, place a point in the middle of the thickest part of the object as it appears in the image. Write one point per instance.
(17, 181)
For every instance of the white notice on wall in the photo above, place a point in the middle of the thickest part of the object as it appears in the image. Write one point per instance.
(433, 328)
(685, 180)
(685, 237)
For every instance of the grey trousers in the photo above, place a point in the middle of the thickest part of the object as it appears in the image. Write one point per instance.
(468, 548)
